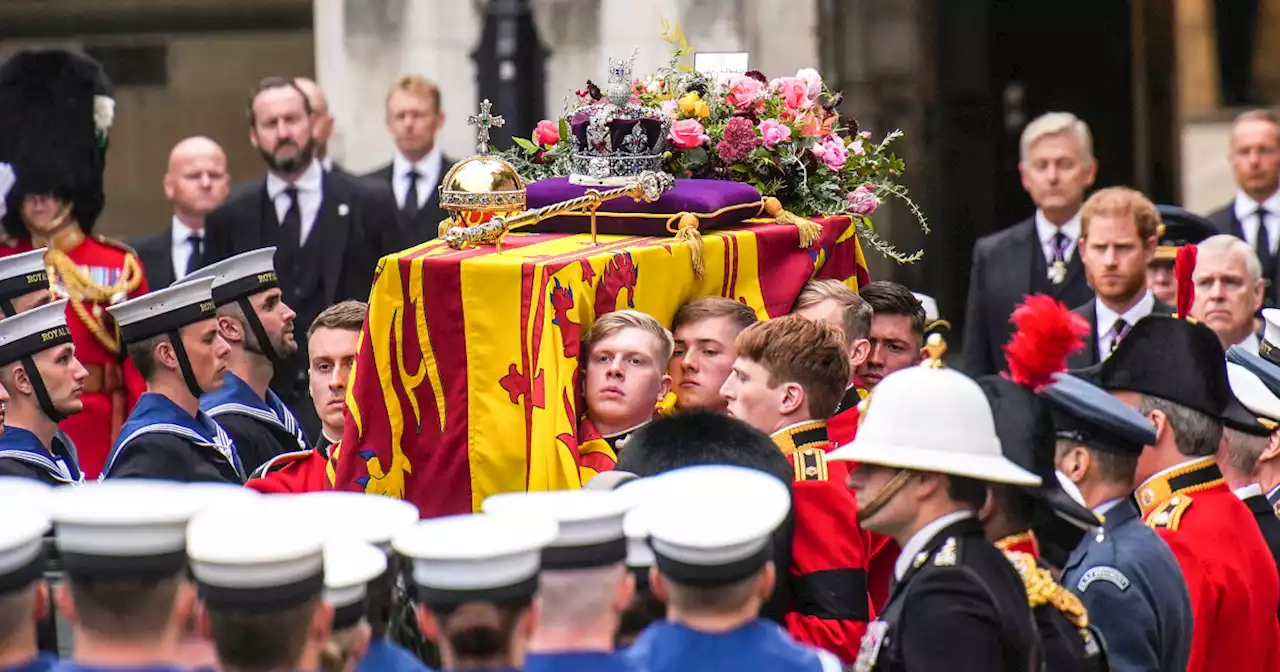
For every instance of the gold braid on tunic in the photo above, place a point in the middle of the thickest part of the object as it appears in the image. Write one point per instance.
(1042, 589)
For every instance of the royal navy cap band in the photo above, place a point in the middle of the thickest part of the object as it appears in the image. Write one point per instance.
(583, 557)
(33, 331)
(237, 277)
(30, 345)
(1269, 352)
(22, 274)
(350, 615)
(710, 576)
(25, 575)
(239, 288)
(165, 322)
(448, 598)
(262, 598)
(107, 566)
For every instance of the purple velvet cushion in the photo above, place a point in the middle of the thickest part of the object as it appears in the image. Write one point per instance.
(716, 203)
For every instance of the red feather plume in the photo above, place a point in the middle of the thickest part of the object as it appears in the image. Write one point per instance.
(1183, 266)
(1047, 332)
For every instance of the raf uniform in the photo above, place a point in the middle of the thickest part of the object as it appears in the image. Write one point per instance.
(958, 603)
(1127, 578)
(262, 428)
(22, 558)
(830, 607)
(161, 439)
(711, 527)
(1230, 574)
(476, 558)
(55, 109)
(21, 452)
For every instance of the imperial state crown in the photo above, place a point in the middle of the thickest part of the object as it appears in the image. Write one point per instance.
(615, 139)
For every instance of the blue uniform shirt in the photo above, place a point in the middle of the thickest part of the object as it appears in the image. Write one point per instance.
(156, 413)
(578, 662)
(235, 396)
(759, 645)
(42, 663)
(385, 655)
(1132, 587)
(56, 468)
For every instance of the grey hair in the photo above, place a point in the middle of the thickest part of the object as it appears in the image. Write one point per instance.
(1054, 123)
(1195, 434)
(1244, 450)
(1224, 243)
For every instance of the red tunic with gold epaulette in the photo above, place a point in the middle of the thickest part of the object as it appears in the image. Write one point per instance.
(293, 473)
(111, 388)
(1225, 562)
(830, 608)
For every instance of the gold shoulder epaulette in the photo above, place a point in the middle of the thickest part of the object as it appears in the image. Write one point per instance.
(1042, 589)
(1169, 514)
(811, 464)
(112, 242)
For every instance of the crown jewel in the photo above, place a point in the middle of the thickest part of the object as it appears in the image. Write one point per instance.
(614, 139)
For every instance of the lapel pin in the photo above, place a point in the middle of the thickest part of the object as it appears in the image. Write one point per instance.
(343, 210)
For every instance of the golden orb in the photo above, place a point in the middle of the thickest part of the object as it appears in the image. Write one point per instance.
(482, 184)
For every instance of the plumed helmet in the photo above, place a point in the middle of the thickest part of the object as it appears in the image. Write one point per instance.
(56, 108)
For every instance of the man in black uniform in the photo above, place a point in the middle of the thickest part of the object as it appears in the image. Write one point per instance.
(172, 337)
(44, 381)
(256, 323)
(926, 449)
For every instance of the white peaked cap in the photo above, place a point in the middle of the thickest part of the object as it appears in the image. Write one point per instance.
(336, 514)
(32, 331)
(476, 557)
(25, 503)
(934, 420)
(929, 304)
(255, 558)
(349, 566)
(245, 274)
(1252, 393)
(22, 274)
(590, 524)
(1271, 331)
(123, 527)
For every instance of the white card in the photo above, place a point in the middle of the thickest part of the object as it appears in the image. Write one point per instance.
(720, 64)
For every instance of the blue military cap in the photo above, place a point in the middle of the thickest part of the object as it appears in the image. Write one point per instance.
(1086, 413)
(1181, 227)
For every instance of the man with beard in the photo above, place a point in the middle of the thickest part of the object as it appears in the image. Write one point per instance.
(897, 332)
(258, 325)
(1118, 232)
(704, 330)
(329, 229)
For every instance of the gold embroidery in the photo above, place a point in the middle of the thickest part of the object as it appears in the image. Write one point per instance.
(1042, 589)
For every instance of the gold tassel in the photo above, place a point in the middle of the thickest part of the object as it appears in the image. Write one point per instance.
(687, 232)
(810, 230)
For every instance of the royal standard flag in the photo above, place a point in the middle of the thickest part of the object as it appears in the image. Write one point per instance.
(465, 382)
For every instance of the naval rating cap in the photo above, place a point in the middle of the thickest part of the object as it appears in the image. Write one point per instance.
(590, 524)
(27, 519)
(164, 310)
(349, 566)
(33, 331)
(22, 274)
(243, 275)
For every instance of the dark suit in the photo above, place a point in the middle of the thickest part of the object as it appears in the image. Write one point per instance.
(355, 226)
(1225, 219)
(1008, 266)
(426, 226)
(1268, 523)
(1090, 355)
(156, 254)
(959, 606)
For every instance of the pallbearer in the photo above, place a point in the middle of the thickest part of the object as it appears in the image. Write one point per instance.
(44, 381)
(254, 320)
(172, 337)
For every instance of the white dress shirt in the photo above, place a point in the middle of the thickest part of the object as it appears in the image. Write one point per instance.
(1046, 231)
(1247, 491)
(1107, 320)
(1247, 214)
(918, 540)
(180, 252)
(310, 187)
(428, 169)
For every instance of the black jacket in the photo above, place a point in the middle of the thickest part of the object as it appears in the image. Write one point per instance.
(1269, 524)
(1007, 266)
(156, 254)
(1225, 219)
(1089, 355)
(426, 226)
(173, 458)
(959, 606)
(256, 441)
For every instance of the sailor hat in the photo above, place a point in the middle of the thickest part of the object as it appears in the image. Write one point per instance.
(33, 331)
(373, 519)
(349, 566)
(590, 524)
(21, 274)
(1255, 397)
(26, 520)
(237, 277)
(164, 310)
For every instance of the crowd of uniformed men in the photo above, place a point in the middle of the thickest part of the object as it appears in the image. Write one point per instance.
(822, 494)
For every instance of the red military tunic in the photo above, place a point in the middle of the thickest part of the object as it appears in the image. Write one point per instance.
(830, 608)
(292, 473)
(111, 389)
(1228, 569)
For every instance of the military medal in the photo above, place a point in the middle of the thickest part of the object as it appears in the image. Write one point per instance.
(1058, 273)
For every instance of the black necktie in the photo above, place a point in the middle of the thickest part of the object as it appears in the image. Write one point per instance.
(1262, 244)
(291, 226)
(193, 260)
(410, 208)
(1118, 331)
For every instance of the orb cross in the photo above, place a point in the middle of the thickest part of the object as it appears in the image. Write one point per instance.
(483, 123)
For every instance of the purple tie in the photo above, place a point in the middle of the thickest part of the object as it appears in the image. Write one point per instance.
(1118, 331)
(1061, 243)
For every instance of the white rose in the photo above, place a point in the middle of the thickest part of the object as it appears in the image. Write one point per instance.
(812, 80)
(104, 112)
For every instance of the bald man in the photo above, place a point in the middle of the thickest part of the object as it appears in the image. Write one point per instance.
(195, 183)
(321, 122)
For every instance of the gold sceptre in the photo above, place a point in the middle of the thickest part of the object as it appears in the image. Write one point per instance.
(648, 187)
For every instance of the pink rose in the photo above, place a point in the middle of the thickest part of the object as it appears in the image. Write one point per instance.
(794, 92)
(687, 134)
(744, 92)
(831, 152)
(671, 108)
(863, 201)
(857, 148)
(812, 81)
(546, 132)
(774, 132)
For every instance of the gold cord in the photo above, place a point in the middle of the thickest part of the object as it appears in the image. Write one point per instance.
(80, 289)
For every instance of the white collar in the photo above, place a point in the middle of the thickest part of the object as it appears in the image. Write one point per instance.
(181, 232)
(1247, 207)
(310, 180)
(923, 536)
(1107, 317)
(1250, 343)
(1106, 506)
(1247, 491)
(1046, 229)
(428, 165)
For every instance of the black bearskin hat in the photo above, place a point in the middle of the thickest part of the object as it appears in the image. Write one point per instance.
(55, 110)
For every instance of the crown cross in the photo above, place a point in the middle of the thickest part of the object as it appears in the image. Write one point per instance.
(483, 123)
(619, 86)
